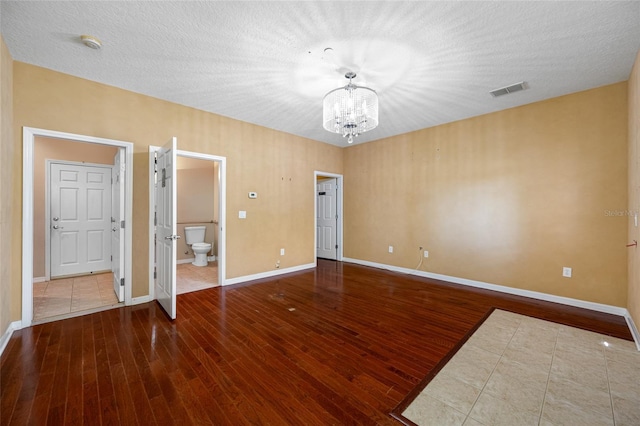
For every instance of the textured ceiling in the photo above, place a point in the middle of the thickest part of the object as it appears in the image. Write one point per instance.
(264, 62)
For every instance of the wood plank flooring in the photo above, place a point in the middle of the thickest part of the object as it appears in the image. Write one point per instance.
(339, 344)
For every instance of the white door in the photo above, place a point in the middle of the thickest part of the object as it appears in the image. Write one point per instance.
(327, 219)
(166, 228)
(117, 228)
(80, 228)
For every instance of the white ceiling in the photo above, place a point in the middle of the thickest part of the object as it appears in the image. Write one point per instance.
(264, 62)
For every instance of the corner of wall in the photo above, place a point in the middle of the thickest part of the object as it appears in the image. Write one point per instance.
(6, 189)
(633, 89)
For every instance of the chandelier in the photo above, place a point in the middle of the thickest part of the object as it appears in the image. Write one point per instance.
(350, 110)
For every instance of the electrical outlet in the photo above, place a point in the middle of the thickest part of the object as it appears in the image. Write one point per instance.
(566, 272)
(281, 252)
(426, 253)
(390, 249)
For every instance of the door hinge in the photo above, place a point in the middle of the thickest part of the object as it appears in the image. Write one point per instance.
(155, 274)
(155, 218)
(336, 246)
(122, 224)
(112, 258)
(122, 282)
(336, 217)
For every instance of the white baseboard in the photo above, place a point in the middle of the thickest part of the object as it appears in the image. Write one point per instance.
(633, 329)
(600, 307)
(39, 279)
(268, 274)
(140, 300)
(190, 260)
(4, 340)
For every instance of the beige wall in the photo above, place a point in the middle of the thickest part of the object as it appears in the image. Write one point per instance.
(57, 149)
(507, 198)
(7, 147)
(279, 166)
(633, 302)
(196, 203)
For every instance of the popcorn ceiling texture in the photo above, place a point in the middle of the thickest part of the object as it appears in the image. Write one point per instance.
(264, 62)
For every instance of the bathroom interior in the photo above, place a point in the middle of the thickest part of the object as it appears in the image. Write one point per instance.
(197, 211)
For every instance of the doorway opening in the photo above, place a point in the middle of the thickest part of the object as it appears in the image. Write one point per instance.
(328, 215)
(198, 206)
(69, 260)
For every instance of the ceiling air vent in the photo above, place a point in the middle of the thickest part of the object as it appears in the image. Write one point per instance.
(509, 89)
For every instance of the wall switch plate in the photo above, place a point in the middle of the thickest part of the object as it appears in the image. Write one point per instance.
(566, 272)
(242, 214)
(281, 252)
(426, 253)
(390, 249)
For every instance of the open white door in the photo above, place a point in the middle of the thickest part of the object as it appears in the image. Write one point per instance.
(117, 224)
(166, 228)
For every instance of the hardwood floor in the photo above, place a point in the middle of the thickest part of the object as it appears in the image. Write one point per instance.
(340, 344)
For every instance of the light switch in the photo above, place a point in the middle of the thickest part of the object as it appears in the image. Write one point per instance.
(242, 214)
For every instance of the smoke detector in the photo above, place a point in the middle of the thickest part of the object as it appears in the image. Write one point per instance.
(91, 41)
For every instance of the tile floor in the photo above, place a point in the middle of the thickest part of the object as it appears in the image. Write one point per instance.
(68, 295)
(62, 297)
(192, 278)
(518, 370)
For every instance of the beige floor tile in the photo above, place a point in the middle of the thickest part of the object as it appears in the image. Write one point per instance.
(624, 379)
(73, 295)
(472, 422)
(626, 411)
(490, 410)
(427, 411)
(471, 365)
(575, 394)
(562, 412)
(553, 377)
(576, 367)
(518, 385)
(528, 357)
(493, 338)
(453, 392)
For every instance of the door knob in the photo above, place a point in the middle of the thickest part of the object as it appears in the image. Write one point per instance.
(56, 219)
(114, 229)
(57, 227)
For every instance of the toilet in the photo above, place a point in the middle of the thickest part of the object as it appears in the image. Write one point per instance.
(194, 236)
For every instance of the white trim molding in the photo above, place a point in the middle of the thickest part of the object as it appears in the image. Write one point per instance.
(28, 141)
(600, 307)
(4, 339)
(339, 212)
(140, 300)
(269, 274)
(633, 329)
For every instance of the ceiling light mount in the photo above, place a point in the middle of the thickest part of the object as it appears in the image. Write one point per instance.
(350, 110)
(91, 41)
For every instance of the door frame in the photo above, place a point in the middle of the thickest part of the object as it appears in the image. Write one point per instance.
(47, 206)
(339, 210)
(28, 143)
(222, 197)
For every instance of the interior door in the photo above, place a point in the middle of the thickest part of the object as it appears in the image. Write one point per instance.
(327, 219)
(117, 228)
(80, 207)
(166, 228)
